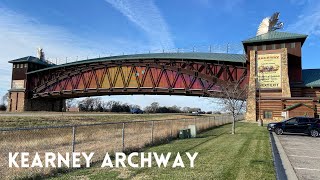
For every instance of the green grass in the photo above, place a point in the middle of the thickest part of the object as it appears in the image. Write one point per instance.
(245, 155)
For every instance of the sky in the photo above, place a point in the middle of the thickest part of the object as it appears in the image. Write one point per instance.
(74, 30)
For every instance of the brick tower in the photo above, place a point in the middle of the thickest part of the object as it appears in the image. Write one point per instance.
(20, 97)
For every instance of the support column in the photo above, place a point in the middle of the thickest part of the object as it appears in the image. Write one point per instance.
(16, 101)
(251, 114)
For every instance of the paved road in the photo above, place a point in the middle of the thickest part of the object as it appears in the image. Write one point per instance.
(304, 155)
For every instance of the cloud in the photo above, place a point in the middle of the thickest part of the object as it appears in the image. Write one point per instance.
(309, 21)
(21, 35)
(230, 6)
(146, 16)
(299, 2)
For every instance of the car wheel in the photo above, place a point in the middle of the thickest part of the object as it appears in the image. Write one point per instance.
(314, 133)
(278, 131)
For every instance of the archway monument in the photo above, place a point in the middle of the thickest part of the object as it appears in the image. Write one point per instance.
(271, 68)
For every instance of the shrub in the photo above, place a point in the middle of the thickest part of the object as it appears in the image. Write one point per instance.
(3, 107)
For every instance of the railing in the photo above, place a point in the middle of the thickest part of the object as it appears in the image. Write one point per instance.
(99, 138)
(231, 48)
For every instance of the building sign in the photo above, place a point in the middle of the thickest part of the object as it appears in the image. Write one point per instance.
(269, 70)
(18, 84)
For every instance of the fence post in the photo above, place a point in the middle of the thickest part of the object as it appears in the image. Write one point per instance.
(123, 126)
(152, 125)
(171, 129)
(73, 142)
(73, 138)
(209, 122)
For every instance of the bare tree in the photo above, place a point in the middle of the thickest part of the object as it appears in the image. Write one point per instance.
(152, 108)
(87, 104)
(134, 106)
(233, 100)
(71, 103)
(5, 98)
(3, 105)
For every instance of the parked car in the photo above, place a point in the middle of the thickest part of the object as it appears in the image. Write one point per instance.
(306, 125)
(136, 111)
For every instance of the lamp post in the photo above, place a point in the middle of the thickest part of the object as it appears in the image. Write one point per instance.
(257, 79)
(260, 121)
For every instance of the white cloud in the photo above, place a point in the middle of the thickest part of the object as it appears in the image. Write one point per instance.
(147, 16)
(299, 2)
(21, 35)
(309, 21)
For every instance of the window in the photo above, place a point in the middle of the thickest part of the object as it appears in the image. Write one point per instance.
(313, 120)
(25, 65)
(273, 46)
(292, 121)
(293, 45)
(303, 120)
(21, 65)
(283, 45)
(264, 47)
(255, 48)
(14, 66)
(267, 114)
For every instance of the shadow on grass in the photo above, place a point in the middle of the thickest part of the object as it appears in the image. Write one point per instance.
(208, 137)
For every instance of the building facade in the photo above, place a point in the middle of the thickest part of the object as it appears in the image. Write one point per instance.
(278, 86)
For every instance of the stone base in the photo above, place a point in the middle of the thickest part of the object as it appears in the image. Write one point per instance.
(57, 105)
(18, 102)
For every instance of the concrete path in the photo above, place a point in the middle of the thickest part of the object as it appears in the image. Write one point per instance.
(303, 153)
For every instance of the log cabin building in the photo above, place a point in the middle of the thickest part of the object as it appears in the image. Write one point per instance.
(278, 86)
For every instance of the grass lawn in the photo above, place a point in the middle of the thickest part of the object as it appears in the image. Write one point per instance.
(57, 119)
(245, 155)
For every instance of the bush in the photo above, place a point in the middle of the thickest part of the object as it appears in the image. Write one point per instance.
(3, 107)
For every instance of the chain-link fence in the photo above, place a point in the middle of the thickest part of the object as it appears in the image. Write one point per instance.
(98, 138)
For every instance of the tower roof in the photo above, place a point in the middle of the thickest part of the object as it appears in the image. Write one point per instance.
(31, 59)
(275, 36)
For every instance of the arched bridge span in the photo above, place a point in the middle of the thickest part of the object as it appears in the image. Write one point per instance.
(190, 74)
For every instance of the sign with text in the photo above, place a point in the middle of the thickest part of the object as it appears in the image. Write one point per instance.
(18, 84)
(269, 71)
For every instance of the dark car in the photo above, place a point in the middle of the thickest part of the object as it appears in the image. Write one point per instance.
(310, 126)
(136, 111)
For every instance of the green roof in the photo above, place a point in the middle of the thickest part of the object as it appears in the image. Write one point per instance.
(241, 58)
(32, 60)
(297, 105)
(311, 77)
(275, 36)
